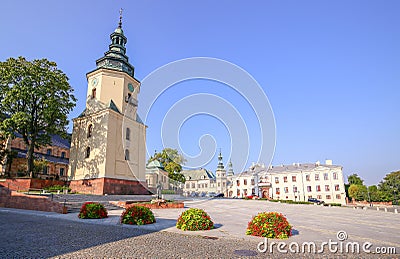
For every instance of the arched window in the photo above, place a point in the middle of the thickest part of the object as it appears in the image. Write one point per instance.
(90, 130)
(87, 155)
(128, 134)
(93, 93)
(127, 154)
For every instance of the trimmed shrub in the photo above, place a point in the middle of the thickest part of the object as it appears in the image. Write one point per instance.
(270, 225)
(333, 204)
(55, 188)
(93, 210)
(137, 215)
(194, 219)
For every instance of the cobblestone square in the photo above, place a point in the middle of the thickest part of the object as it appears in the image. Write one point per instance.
(44, 235)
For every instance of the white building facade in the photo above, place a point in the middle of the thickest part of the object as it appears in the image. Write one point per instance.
(297, 182)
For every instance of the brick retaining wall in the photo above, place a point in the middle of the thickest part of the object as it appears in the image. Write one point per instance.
(12, 199)
(101, 186)
(24, 184)
(167, 205)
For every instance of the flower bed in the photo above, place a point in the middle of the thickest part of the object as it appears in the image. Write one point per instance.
(194, 219)
(137, 215)
(270, 225)
(167, 205)
(93, 210)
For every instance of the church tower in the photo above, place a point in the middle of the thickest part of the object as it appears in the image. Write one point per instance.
(108, 139)
(221, 176)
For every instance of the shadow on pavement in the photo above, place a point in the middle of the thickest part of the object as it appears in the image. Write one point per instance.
(39, 236)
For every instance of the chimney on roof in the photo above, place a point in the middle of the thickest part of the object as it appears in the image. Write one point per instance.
(328, 162)
(317, 163)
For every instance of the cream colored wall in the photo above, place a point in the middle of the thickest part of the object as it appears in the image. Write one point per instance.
(94, 166)
(112, 85)
(117, 166)
(108, 143)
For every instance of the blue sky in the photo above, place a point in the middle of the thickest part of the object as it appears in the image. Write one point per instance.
(330, 69)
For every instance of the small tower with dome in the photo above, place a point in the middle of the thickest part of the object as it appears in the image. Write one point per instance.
(220, 174)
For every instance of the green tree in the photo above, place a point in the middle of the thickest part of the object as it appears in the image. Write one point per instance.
(373, 193)
(35, 99)
(358, 192)
(390, 187)
(172, 162)
(39, 165)
(355, 179)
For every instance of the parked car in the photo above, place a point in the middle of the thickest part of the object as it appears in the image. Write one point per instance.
(210, 194)
(219, 195)
(314, 200)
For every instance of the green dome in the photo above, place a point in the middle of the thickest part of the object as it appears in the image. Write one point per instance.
(119, 30)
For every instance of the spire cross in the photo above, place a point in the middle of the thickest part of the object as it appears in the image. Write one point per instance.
(120, 18)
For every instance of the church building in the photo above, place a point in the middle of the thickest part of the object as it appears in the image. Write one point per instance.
(108, 146)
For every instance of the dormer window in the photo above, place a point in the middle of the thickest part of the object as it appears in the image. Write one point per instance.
(93, 93)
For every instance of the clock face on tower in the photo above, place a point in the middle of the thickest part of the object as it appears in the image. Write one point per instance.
(130, 87)
(94, 81)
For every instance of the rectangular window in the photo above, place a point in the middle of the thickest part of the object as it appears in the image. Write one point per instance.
(253, 191)
(337, 188)
(293, 178)
(193, 185)
(206, 185)
(187, 185)
(307, 177)
(277, 191)
(286, 189)
(316, 177)
(319, 197)
(318, 188)
(238, 182)
(328, 197)
(295, 189)
(223, 184)
(327, 188)
(245, 192)
(276, 179)
(219, 184)
(46, 170)
(309, 196)
(308, 188)
(326, 176)
(338, 196)
(238, 193)
(62, 171)
(63, 154)
(245, 182)
(252, 182)
(335, 177)
(285, 179)
(48, 152)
